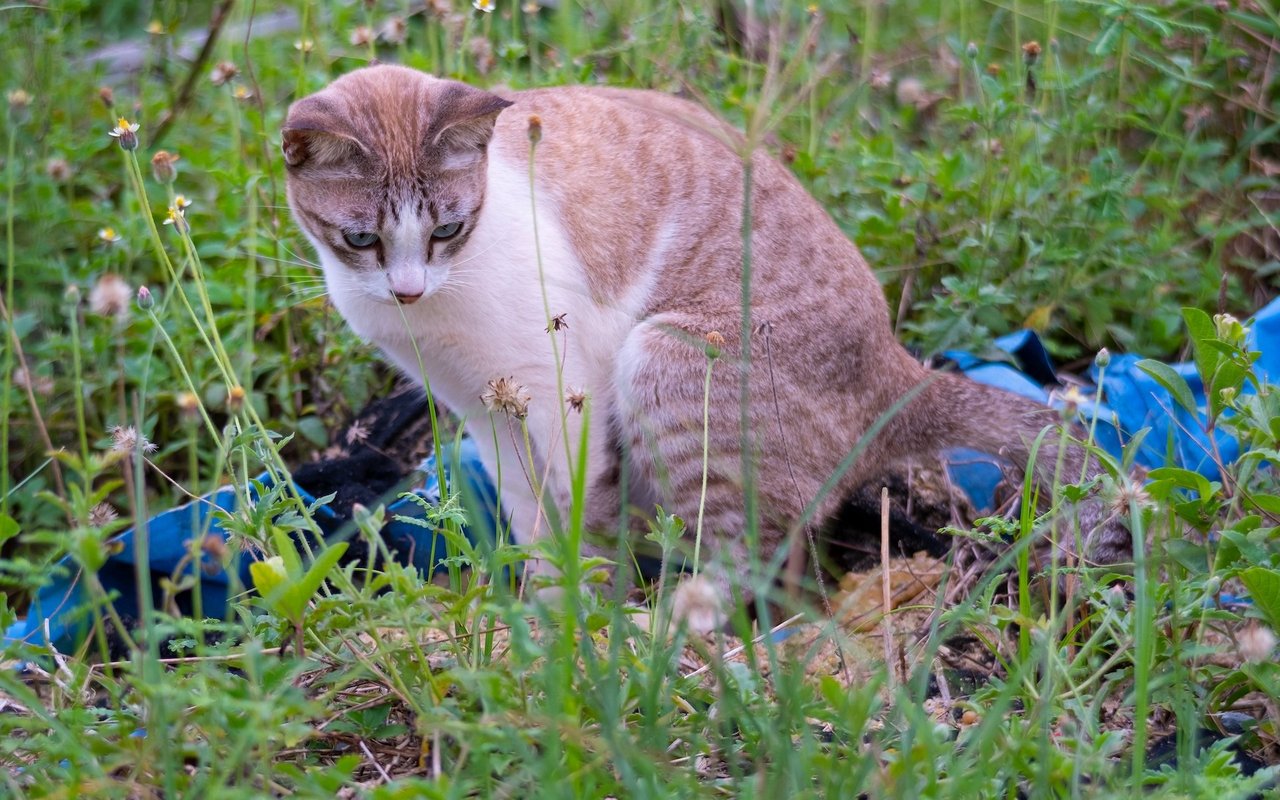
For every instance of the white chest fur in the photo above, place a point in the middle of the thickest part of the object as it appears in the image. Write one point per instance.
(488, 320)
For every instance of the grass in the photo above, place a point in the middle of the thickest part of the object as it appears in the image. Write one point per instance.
(1089, 188)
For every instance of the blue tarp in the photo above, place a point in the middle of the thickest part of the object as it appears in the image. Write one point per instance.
(1132, 400)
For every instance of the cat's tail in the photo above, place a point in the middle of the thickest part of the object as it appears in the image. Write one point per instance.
(953, 411)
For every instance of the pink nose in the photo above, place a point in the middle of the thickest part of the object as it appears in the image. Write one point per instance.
(407, 299)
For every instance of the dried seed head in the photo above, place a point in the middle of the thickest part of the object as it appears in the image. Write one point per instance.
(994, 69)
(39, 385)
(558, 323)
(505, 396)
(214, 545)
(102, 515)
(127, 440)
(58, 170)
(110, 296)
(361, 36)
(1031, 53)
(880, 79)
(1256, 643)
(222, 72)
(482, 54)
(394, 30)
(535, 129)
(576, 398)
(911, 92)
(107, 96)
(715, 344)
(164, 166)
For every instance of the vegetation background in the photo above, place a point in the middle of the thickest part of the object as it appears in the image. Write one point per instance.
(1085, 168)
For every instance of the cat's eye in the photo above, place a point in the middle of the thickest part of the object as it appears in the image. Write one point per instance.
(361, 239)
(446, 231)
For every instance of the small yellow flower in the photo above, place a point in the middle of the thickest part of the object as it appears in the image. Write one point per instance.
(241, 93)
(108, 235)
(155, 28)
(181, 203)
(177, 217)
(487, 6)
(126, 132)
(235, 398)
(304, 45)
(530, 8)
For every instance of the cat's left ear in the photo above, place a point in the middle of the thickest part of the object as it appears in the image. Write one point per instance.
(462, 121)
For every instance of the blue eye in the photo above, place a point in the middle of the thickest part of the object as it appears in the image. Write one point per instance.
(446, 231)
(362, 239)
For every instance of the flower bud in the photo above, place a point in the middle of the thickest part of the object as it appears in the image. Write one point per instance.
(535, 129)
(145, 300)
(164, 166)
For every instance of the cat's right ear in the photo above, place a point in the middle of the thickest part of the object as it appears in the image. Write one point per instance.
(316, 133)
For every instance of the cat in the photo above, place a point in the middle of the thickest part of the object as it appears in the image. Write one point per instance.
(526, 250)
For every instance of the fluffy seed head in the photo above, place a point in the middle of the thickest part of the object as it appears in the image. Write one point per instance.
(505, 396)
(361, 36)
(102, 514)
(110, 296)
(58, 170)
(222, 72)
(1256, 643)
(127, 440)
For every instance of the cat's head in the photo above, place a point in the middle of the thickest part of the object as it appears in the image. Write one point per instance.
(386, 176)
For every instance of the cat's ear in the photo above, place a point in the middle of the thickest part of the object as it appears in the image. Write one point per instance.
(462, 123)
(316, 132)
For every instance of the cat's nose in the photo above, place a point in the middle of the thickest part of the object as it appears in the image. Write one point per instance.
(407, 298)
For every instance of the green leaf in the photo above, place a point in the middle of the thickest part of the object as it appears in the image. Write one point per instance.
(9, 528)
(320, 568)
(1267, 502)
(1264, 588)
(1170, 380)
(1201, 328)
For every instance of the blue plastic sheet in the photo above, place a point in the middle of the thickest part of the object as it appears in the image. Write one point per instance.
(1132, 401)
